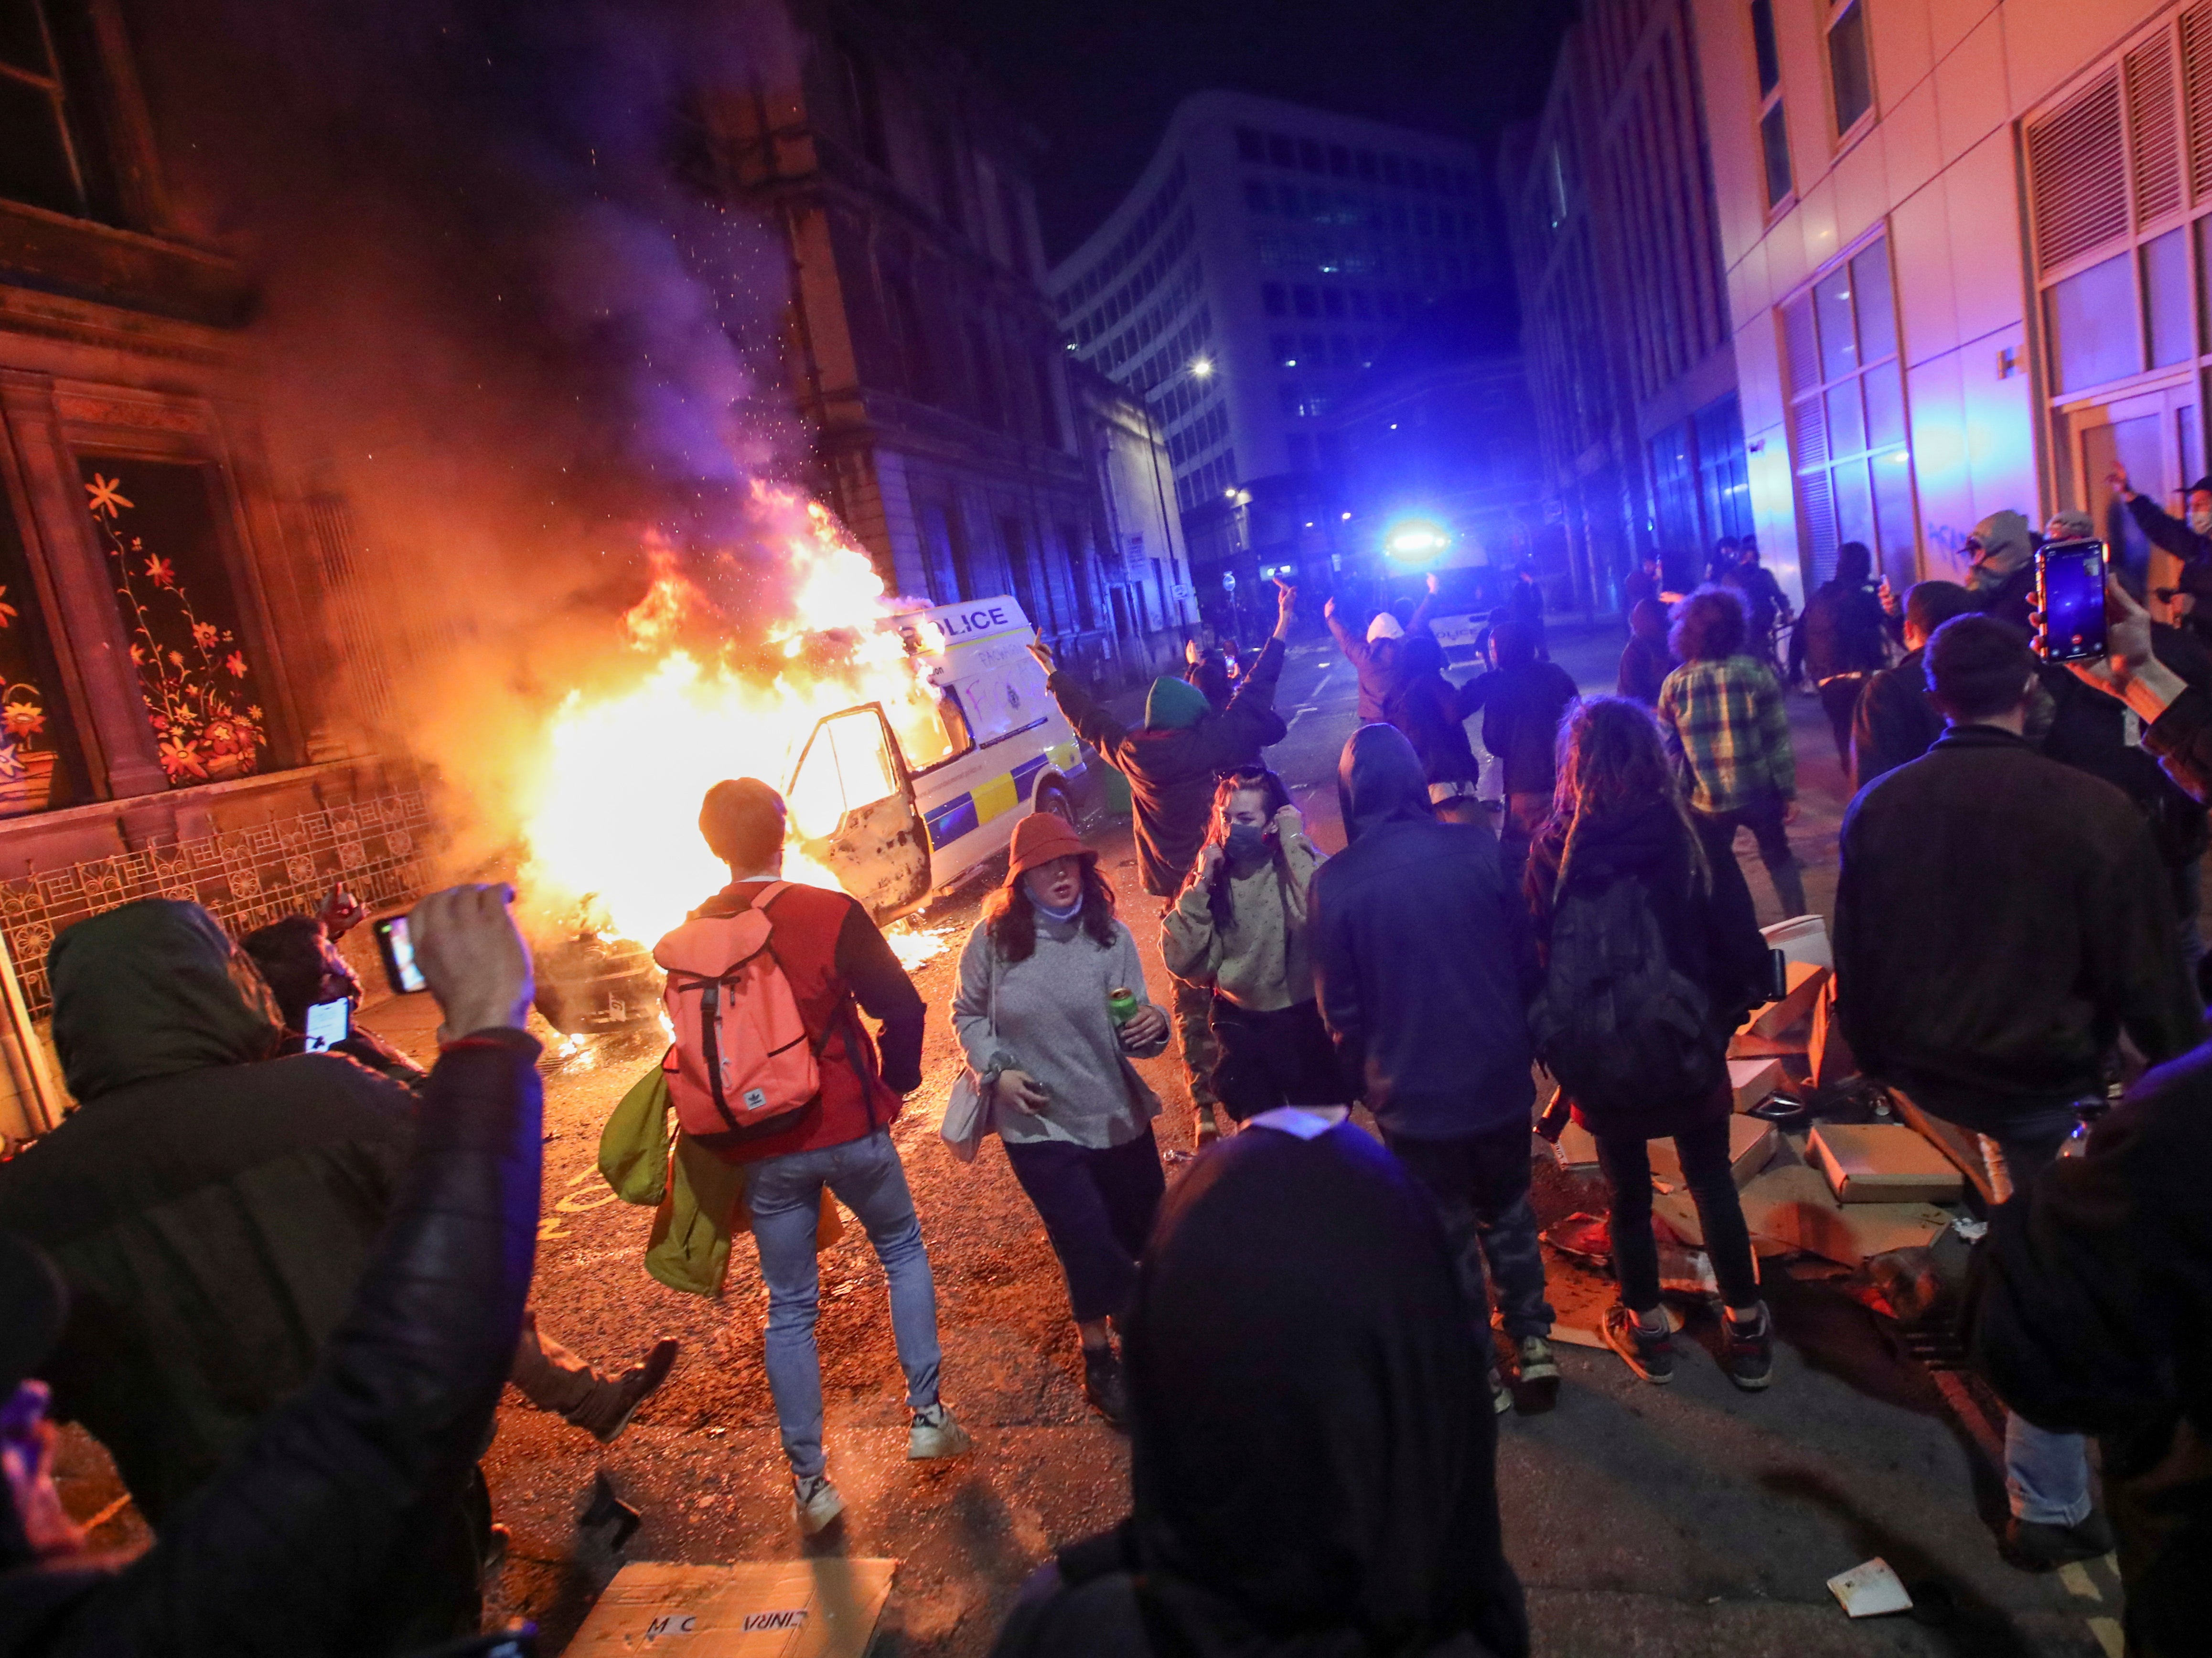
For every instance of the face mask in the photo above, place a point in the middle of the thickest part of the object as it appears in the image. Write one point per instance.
(2201, 522)
(1247, 842)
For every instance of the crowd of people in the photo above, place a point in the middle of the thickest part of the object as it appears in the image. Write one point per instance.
(284, 1286)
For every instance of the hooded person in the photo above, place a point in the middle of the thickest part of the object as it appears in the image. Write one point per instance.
(1432, 711)
(1375, 657)
(298, 1540)
(1425, 963)
(1171, 762)
(2001, 576)
(1645, 660)
(1381, 1535)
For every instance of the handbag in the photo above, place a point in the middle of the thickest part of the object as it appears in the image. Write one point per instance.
(971, 1109)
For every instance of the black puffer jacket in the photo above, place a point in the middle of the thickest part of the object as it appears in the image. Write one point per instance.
(1422, 954)
(295, 1545)
(1710, 929)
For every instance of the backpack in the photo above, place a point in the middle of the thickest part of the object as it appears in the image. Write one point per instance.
(1615, 1022)
(741, 1054)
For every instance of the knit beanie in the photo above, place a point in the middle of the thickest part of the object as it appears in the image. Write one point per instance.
(1174, 705)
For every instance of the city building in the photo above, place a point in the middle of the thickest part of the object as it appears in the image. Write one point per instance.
(1145, 561)
(1263, 259)
(1609, 204)
(925, 360)
(1965, 249)
(168, 723)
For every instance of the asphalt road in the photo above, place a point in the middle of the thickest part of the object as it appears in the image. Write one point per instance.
(1689, 1520)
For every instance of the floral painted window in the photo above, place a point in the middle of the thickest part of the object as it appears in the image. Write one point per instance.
(39, 765)
(198, 674)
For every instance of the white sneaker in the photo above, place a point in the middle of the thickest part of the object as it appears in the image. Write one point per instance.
(815, 1502)
(935, 1435)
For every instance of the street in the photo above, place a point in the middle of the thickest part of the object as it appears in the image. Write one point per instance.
(1692, 1520)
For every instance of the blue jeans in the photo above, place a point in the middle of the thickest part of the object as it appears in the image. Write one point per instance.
(784, 1195)
(2046, 1473)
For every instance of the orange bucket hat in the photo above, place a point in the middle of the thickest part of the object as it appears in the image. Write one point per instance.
(1041, 837)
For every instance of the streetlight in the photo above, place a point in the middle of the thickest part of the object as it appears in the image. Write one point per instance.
(1199, 368)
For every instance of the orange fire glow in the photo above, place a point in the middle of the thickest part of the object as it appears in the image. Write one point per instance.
(613, 820)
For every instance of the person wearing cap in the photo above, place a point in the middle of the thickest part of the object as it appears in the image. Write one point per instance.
(1171, 762)
(2002, 919)
(1033, 1011)
(315, 1532)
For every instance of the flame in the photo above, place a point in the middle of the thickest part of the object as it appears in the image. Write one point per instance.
(613, 819)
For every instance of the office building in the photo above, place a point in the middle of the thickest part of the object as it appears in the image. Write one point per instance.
(1625, 324)
(1264, 257)
(1965, 248)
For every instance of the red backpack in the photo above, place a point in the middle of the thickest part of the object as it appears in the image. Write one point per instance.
(741, 1055)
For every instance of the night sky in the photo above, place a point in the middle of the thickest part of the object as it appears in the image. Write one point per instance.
(1099, 79)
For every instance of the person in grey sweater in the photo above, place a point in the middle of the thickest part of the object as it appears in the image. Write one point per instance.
(1033, 1013)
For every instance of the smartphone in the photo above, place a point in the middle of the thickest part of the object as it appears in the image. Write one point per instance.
(392, 943)
(329, 1023)
(2069, 583)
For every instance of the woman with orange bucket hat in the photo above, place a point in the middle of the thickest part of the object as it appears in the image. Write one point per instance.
(1050, 1007)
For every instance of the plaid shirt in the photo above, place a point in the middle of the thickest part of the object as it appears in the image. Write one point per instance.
(1726, 722)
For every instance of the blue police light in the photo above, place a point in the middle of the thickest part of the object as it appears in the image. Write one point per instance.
(1416, 541)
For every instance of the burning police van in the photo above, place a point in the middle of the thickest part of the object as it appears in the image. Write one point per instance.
(901, 804)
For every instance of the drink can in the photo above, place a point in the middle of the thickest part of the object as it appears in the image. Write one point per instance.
(1123, 1005)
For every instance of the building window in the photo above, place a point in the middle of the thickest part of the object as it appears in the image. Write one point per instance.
(1773, 130)
(40, 765)
(1250, 146)
(200, 678)
(1306, 301)
(48, 148)
(1017, 229)
(1280, 150)
(1850, 75)
(864, 102)
(990, 399)
(1271, 298)
(945, 168)
(1847, 423)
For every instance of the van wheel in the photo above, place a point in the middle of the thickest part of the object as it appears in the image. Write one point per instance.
(1054, 799)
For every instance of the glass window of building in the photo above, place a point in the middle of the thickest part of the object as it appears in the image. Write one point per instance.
(1851, 76)
(1847, 425)
(1773, 129)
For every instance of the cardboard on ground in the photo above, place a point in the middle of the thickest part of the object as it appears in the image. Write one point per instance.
(824, 1607)
(1795, 1006)
(1754, 1080)
(1884, 1163)
(1794, 1205)
(1751, 1142)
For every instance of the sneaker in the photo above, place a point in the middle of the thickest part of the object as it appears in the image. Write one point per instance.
(935, 1435)
(614, 1402)
(1501, 1396)
(1748, 1352)
(1104, 1386)
(1650, 1355)
(1537, 1371)
(815, 1502)
(2034, 1546)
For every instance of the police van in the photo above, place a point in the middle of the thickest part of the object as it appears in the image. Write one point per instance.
(905, 801)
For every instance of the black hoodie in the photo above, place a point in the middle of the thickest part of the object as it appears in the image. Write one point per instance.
(1423, 955)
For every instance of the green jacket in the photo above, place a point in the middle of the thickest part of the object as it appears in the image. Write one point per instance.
(211, 1209)
(701, 1198)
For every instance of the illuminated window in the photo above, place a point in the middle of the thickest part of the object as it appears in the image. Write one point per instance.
(1847, 418)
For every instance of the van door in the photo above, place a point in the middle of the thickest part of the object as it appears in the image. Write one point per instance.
(852, 802)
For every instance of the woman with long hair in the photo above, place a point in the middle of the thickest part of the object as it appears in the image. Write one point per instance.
(1239, 928)
(1034, 1013)
(1619, 867)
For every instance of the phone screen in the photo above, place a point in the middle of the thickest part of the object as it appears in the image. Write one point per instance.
(398, 952)
(2072, 582)
(328, 1023)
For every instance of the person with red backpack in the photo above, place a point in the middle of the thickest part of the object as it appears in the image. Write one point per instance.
(772, 1069)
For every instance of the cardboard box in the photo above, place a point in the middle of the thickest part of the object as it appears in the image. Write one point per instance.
(1884, 1163)
(1794, 1206)
(1752, 1080)
(1827, 1055)
(1802, 939)
(824, 1607)
(1751, 1143)
(1771, 1019)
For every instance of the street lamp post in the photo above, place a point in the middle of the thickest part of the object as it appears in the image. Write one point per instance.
(1198, 368)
